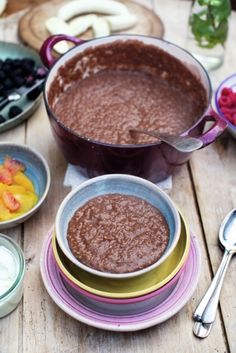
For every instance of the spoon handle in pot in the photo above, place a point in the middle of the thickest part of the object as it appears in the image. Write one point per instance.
(206, 310)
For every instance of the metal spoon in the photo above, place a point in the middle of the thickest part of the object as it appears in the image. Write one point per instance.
(180, 143)
(206, 310)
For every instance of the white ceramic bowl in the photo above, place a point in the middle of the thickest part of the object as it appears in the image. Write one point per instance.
(123, 184)
(12, 296)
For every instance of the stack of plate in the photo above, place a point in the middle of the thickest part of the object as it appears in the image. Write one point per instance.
(123, 304)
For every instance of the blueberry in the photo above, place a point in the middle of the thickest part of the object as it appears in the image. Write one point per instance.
(8, 61)
(19, 72)
(2, 120)
(14, 111)
(8, 84)
(28, 61)
(16, 63)
(35, 93)
(19, 81)
(2, 90)
(2, 75)
(7, 68)
(28, 69)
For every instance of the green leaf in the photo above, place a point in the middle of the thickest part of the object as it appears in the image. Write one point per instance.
(216, 3)
(222, 31)
(204, 2)
(220, 13)
(210, 25)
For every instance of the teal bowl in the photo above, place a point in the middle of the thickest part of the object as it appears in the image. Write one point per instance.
(37, 171)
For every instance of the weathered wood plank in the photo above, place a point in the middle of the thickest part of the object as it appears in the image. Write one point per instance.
(41, 318)
(214, 169)
(13, 322)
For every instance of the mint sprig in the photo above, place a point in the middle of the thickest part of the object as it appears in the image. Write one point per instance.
(210, 25)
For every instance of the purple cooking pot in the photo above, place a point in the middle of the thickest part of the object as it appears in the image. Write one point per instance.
(153, 161)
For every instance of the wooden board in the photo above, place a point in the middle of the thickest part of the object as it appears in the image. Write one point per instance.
(33, 32)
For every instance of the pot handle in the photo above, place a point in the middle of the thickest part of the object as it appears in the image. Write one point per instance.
(46, 50)
(213, 132)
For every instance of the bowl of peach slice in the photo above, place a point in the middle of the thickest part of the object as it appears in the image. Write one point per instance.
(24, 183)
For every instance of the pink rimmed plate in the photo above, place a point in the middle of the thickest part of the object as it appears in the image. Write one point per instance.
(176, 300)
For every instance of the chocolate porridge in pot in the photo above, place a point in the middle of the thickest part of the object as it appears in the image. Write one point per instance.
(103, 92)
(117, 233)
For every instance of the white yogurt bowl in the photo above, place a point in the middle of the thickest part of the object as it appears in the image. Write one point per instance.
(12, 270)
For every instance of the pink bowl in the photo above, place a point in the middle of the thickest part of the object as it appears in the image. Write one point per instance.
(172, 305)
(128, 306)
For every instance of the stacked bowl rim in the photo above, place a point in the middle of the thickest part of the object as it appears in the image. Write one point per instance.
(65, 272)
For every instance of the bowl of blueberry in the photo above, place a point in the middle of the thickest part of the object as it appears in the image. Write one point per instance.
(225, 101)
(21, 81)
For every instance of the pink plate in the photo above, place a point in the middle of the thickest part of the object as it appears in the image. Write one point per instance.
(162, 312)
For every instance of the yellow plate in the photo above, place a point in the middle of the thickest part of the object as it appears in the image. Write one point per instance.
(132, 287)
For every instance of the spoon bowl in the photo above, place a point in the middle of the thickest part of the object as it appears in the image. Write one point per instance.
(227, 232)
(180, 143)
(204, 315)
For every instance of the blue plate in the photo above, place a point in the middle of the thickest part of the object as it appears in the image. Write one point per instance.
(16, 51)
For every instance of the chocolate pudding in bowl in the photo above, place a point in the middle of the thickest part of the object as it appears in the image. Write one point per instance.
(102, 88)
(127, 85)
(118, 233)
(117, 226)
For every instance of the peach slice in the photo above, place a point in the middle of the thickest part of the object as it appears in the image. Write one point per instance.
(10, 201)
(26, 200)
(21, 179)
(13, 165)
(4, 212)
(5, 176)
(17, 193)
(12, 188)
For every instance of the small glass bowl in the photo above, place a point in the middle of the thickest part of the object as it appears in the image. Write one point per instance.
(11, 298)
(229, 82)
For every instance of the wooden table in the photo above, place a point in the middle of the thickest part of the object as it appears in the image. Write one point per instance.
(205, 189)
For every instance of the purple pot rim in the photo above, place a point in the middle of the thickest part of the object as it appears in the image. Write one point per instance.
(126, 300)
(219, 88)
(126, 146)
